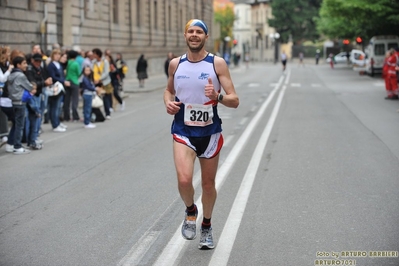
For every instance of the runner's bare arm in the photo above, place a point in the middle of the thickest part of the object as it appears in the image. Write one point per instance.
(230, 99)
(172, 107)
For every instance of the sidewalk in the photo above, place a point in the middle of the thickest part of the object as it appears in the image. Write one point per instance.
(156, 82)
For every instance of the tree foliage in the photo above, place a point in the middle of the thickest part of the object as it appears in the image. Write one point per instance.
(366, 18)
(295, 18)
(225, 17)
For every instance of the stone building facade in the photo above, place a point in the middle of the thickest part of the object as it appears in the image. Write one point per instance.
(254, 35)
(131, 27)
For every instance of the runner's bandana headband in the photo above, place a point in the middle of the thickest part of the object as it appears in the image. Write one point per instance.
(199, 23)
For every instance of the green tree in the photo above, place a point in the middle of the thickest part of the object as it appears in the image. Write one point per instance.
(365, 18)
(295, 18)
(225, 17)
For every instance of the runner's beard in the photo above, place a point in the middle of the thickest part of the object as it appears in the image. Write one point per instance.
(197, 48)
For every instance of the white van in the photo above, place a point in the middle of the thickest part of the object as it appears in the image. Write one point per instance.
(375, 52)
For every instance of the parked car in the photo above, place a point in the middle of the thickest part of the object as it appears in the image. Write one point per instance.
(356, 57)
(339, 58)
(375, 52)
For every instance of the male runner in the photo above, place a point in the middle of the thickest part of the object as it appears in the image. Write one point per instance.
(192, 95)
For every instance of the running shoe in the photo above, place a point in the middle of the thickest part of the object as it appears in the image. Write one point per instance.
(206, 240)
(189, 227)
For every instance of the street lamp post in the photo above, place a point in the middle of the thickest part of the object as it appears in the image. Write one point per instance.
(275, 36)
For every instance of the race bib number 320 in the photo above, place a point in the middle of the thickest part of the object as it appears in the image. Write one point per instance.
(198, 115)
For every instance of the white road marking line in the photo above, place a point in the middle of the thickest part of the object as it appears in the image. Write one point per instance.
(287, 78)
(138, 251)
(253, 85)
(295, 85)
(224, 247)
(173, 248)
(315, 85)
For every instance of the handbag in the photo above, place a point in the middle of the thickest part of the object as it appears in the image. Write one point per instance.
(97, 102)
(54, 89)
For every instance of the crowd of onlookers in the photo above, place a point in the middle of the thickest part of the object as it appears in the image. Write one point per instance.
(37, 88)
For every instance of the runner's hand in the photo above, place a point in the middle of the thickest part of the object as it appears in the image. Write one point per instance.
(210, 90)
(173, 107)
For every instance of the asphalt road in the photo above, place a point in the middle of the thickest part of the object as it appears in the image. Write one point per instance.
(309, 174)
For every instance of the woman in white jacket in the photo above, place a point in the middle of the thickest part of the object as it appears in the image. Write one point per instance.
(6, 112)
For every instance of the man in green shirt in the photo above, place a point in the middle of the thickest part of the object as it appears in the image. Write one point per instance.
(72, 92)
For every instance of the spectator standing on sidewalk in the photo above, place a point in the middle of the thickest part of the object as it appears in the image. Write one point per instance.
(167, 62)
(116, 82)
(88, 61)
(18, 83)
(56, 72)
(121, 66)
(6, 108)
(53, 47)
(15, 53)
(200, 92)
(6, 112)
(36, 50)
(71, 96)
(88, 92)
(141, 70)
(79, 58)
(64, 61)
(317, 56)
(38, 75)
(107, 52)
(5, 66)
(102, 78)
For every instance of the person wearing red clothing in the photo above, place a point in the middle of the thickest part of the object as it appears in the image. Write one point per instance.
(391, 83)
(331, 56)
(385, 73)
(397, 65)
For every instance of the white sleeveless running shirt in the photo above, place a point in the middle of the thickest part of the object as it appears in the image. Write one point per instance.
(198, 115)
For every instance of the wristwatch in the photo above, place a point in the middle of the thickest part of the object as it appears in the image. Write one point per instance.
(220, 97)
